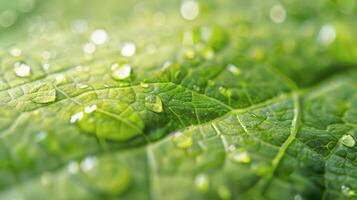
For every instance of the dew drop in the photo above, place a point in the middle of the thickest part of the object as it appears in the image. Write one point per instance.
(153, 103)
(326, 35)
(72, 167)
(76, 117)
(348, 140)
(15, 52)
(122, 72)
(277, 14)
(189, 9)
(22, 69)
(41, 136)
(99, 36)
(90, 109)
(128, 49)
(43, 92)
(89, 48)
(88, 163)
(181, 140)
(82, 86)
(60, 78)
(240, 157)
(46, 66)
(202, 182)
(234, 69)
(144, 85)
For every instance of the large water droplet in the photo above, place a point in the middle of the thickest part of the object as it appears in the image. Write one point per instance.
(348, 140)
(88, 163)
(43, 92)
(22, 69)
(128, 49)
(99, 36)
(202, 182)
(153, 103)
(189, 9)
(121, 73)
(181, 140)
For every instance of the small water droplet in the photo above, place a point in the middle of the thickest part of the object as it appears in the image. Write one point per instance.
(144, 85)
(60, 78)
(234, 69)
(41, 136)
(347, 191)
(22, 69)
(202, 182)
(181, 140)
(76, 117)
(128, 49)
(348, 140)
(72, 167)
(15, 52)
(99, 36)
(90, 109)
(277, 14)
(240, 156)
(82, 86)
(88, 163)
(326, 35)
(46, 66)
(189, 9)
(89, 48)
(122, 72)
(153, 103)
(298, 197)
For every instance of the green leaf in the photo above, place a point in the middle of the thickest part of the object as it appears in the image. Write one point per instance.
(131, 100)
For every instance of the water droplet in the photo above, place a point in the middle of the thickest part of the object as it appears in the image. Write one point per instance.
(82, 86)
(8, 18)
(46, 66)
(122, 72)
(90, 109)
(41, 136)
(22, 69)
(88, 163)
(15, 52)
(181, 140)
(234, 69)
(79, 26)
(128, 49)
(60, 78)
(347, 191)
(153, 103)
(144, 85)
(277, 14)
(298, 197)
(72, 167)
(240, 156)
(326, 35)
(348, 140)
(76, 117)
(189, 9)
(99, 36)
(202, 182)
(43, 92)
(89, 48)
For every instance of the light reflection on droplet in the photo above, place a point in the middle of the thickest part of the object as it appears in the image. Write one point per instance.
(89, 48)
(128, 49)
(15, 52)
(76, 117)
(90, 109)
(99, 36)
(189, 9)
(88, 163)
(234, 69)
(326, 35)
(72, 167)
(22, 69)
(122, 72)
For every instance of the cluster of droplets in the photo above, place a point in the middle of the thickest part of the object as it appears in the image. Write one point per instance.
(79, 115)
